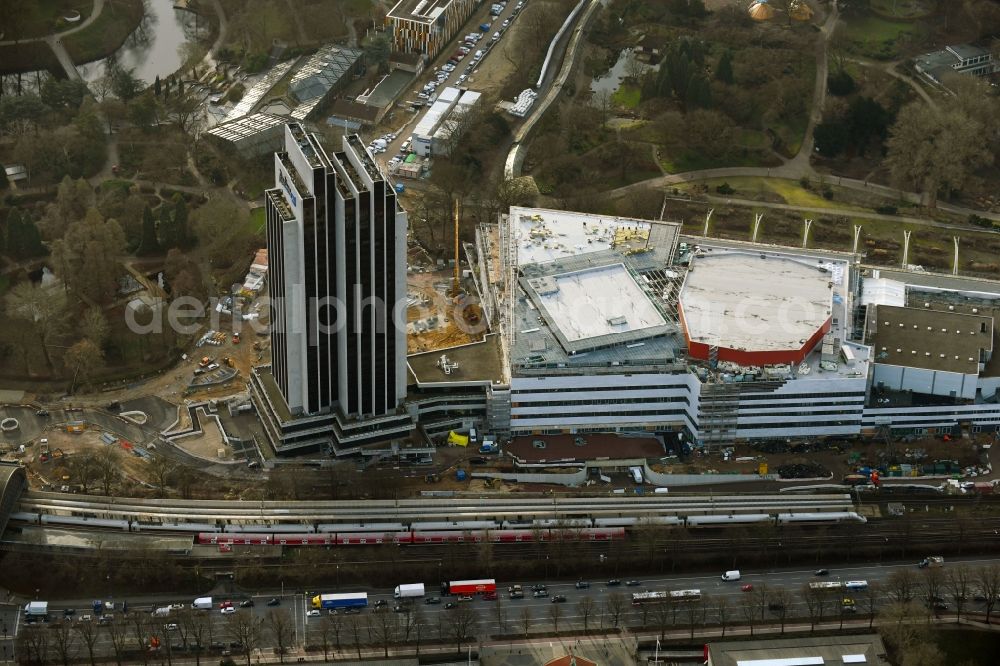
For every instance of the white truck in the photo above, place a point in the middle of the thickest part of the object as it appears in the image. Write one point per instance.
(408, 591)
(202, 603)
(37, 610)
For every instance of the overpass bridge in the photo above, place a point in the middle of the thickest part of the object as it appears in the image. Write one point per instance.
(13, 482)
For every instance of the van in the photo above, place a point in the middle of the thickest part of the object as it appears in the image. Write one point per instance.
(636, 473)
(731, 576)
(473, 436)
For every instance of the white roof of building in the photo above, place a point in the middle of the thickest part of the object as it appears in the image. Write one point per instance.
(469, 98)
(596, 301)
(439, 109)
(545, 235)
(882, 291)
(757, 301)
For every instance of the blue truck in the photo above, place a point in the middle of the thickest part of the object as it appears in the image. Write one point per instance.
(332, 601)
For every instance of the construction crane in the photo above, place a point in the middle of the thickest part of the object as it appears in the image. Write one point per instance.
(456, 287)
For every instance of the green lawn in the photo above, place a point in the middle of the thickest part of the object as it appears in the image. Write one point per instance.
(876, 37)
(627, 96)
(106, 34)
(256, 221)
(903, 9)
(36, 19)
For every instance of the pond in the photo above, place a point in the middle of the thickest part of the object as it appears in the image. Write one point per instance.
(625, 65)
(158, 45)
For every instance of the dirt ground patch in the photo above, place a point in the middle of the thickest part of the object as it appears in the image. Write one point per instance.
(208, 443)
(57, 471)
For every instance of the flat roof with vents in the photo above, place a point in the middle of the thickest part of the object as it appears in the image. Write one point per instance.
(930, 339)
(423, 11)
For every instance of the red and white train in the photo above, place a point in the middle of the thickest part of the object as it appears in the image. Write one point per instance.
(413, 537)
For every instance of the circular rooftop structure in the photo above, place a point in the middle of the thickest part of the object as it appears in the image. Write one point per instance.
(757, 308)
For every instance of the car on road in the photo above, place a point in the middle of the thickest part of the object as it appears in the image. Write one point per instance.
(821, 572)
(225, 604)
(613, 582)
(450, 605)
(274, 601)
(42, 412)
(313, 612)
(69, 612)
(539, 594)
(465, 597)
(348, 611)
(489, 596)
(380, 603)
(559, 599)
(432, 600)
(582, 585)
(747, 587)
(537, 587)
(246, 603)
(84, 618)
(174, 607)
(400, 608)
(171, 627)
(633, 583)
(228, 610)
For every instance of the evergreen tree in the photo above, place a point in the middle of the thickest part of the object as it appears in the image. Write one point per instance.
(165, 231)
(23, 238)
(148, 243)
(156, 85)
(724, 70)
(181, 221)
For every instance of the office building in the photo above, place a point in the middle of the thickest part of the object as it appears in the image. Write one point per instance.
(337, 247)
(425, 26)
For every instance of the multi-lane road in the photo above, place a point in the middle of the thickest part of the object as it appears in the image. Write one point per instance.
(509, 616)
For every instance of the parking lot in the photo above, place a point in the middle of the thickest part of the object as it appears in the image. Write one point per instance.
(457, 65)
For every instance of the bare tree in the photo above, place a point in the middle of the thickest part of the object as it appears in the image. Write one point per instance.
(383, 630)
(812, 599)
(586, 609)
(464, 622)
(64, 642)
(958, 582)
(781, 599)
(501, 609)
(139, 625)
(33, 645)
(246, 630)
(749, 610)
(354, 625)
(329, 628)
(933, 583)
(870, 595)
(696, 612)
(281, 630)
(118, 634)
(987, 579)
(615, 606)
(88, 635)
(901, 586)
(663, 613)
(109, 467)
(525, 618)
(722, 609)
(197, 627)
(555, 614)
(161, 469)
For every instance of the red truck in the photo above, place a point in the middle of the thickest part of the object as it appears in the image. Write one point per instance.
(469, 587)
